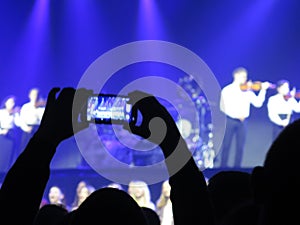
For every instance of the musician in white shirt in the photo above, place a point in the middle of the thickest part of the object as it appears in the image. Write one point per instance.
(281, 107)
(9, 119)
(31, 115)
(235, 104)
(9, 116)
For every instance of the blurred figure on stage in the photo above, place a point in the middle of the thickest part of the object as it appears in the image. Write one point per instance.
(164, 205)
(115, 185)
(31, 115)
(281, 107)
(9, 120)
(83, 192)
(57, 197)
(140, 192)
(235, 104)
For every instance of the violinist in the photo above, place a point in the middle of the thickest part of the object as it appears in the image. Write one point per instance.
(281, 107)
(31, 115)
(235, 104)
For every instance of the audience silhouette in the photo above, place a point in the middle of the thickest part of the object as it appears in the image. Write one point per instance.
(228, 190)
(59, 122)
(276, 184)
(264, 197)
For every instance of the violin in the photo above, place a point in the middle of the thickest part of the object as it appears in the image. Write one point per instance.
(289, 95)
(40, 103)
(254, 86)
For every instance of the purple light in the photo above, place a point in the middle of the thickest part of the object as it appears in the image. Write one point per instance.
(33, 41)
(150, 22)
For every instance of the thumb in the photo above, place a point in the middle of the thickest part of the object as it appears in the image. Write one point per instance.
(137, 130)
(50, 100)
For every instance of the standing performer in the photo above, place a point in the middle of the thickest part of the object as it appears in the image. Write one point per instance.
(31, 115)
(236, 99)
(281, 107)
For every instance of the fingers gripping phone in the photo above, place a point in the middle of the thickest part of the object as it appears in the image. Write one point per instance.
(108, 109)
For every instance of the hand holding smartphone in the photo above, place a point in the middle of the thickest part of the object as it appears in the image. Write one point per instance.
(108, 109)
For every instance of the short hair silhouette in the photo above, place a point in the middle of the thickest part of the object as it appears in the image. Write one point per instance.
(108, 206)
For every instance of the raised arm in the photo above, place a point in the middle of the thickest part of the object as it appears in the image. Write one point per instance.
(189, 196)
(258, 100)
(24, 184)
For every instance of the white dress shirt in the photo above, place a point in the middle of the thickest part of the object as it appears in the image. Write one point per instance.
(8, 120)
(166, 216)
(235, 102)
(277, 106)
(31, 115)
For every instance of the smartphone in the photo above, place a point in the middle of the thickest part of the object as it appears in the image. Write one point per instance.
(108, 109)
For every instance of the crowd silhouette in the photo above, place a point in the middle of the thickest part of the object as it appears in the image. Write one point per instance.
(266, 196)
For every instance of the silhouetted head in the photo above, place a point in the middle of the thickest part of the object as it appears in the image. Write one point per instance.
(228, 189)
(151, 216)
(277, 184)
(107, 206)
(50, 214)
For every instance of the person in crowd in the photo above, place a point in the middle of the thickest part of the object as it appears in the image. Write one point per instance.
(61, 120)
(83, 193)
(229, 190)
(140, 192)
(50, 214)
(57, 197)
(32, 166)
(151, 216)
(276, 183)
(164, 205)
(107, 206)
(31, 114)
(281, 107)
(235, 103)
(9, 121)
(80, 185)
(188, 185)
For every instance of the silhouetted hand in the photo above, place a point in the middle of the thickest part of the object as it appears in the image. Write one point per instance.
(61, 117)
(156, 123)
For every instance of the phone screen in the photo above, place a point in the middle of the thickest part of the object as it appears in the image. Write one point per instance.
(108, 109)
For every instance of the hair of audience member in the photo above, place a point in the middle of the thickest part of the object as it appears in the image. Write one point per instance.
(163, 200)
(277, 183)
(145, 200)
(82, 194)
(107, 206)
(151, 216)
(79, 186)
(245, 214)
(228, 189)
(50, 214)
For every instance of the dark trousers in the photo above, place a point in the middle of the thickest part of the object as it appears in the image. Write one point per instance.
(234, 128)
(25, 137)
(8, 145)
